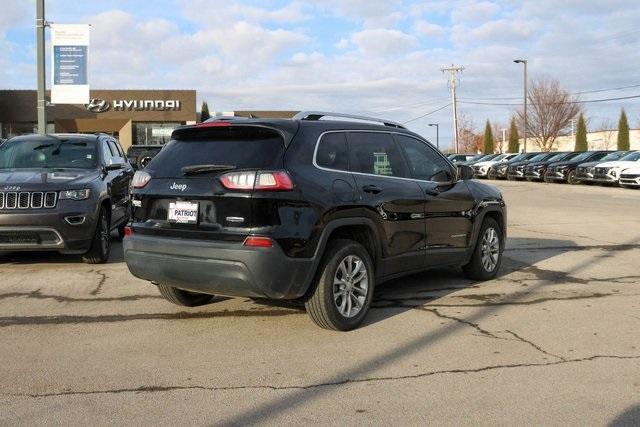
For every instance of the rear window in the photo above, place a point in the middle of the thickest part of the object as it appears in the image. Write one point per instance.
(242, 148)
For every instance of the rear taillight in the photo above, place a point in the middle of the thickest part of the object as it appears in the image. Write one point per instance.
(140, 179)
(258, 242)
(261, 181)
(128, 231)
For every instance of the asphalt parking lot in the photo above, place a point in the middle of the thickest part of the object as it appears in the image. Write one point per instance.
(555, 339)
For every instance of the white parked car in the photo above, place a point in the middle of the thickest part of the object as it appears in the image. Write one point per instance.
(481, 169)
(609, 172)
(630, 177)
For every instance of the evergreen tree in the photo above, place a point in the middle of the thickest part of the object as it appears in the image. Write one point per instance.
(514, 138)
(204, 112)
(488, 139)
(581, 135)
(623, 132)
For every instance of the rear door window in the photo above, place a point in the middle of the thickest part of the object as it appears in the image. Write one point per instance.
(235, 146)
(375, 153)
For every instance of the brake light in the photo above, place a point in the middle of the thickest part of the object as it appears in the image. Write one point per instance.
(140, 179)
(216, 124)
(261, 181)
(128, 231)
(258, 242)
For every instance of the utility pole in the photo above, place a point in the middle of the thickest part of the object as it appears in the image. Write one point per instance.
(504, 140)
(41, 75)
(453, 82)
(437, 125)
(524, 131)
(573, 127)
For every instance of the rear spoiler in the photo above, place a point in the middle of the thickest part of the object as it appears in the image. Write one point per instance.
(286, 128)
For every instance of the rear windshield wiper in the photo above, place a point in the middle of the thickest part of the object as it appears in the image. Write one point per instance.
(196, 169)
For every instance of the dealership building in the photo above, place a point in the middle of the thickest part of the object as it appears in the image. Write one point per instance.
(136, 117)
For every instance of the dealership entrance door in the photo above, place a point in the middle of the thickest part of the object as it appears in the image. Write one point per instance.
(121, 128)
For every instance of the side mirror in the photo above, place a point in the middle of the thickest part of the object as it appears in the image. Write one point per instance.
(465, 172)
(113, 166)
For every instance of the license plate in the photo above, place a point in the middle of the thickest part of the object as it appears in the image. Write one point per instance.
(183, 212)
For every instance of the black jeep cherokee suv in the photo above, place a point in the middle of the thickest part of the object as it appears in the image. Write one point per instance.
(63, 192)
(307, 208)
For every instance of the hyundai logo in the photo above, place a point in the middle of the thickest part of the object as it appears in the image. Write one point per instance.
(97, 105)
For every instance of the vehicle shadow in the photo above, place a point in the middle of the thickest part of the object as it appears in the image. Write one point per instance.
(51, 257)
(399, 295)
(521, 254)
(630, 417)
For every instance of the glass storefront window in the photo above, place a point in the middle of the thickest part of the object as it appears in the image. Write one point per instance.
(150, 133)
(8, 129)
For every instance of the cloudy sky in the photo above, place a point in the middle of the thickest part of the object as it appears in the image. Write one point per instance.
(379, 57)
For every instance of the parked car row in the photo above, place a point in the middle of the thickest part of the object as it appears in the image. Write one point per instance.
(574, 167)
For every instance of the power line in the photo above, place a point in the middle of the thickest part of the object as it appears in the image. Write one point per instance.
(406, 106)
(554, 103)
(427, 114)
(573, 93)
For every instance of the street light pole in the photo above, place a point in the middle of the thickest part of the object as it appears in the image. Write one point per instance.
(524, 61)
(41, 76)
(437, 125)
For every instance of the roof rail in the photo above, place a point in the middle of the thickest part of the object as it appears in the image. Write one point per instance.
(226, 118)
(317, 115)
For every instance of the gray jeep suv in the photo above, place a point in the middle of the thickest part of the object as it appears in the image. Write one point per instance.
(63, 192)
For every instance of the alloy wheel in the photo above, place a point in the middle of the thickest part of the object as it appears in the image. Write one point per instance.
(350, 286)
(490, 250)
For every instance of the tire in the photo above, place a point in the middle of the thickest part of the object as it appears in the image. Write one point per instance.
(121, 228)
(100, 248)
(143, 159)
(571, 178)
(491, 175)
(476, 269)
(329, 305)
(182, 297)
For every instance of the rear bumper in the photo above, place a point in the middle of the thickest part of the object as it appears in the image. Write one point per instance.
(221, 268)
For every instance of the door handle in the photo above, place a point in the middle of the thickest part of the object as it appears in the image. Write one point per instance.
(432, 191)
(371, 189)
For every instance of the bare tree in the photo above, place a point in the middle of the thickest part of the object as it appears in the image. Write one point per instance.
(609, 134)
(469, 140)
(549, 114)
